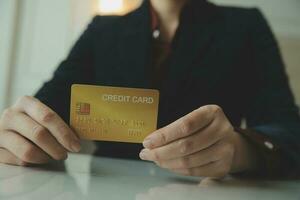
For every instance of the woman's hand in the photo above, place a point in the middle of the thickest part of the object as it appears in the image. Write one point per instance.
(30, 132)
(202, 143)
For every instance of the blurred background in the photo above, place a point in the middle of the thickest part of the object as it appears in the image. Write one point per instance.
(36, 35)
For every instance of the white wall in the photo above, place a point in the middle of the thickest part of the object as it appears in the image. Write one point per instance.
(7, 22)
(48, 28)
(44, 34)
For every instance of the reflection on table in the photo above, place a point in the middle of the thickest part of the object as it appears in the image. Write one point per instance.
(91, 177)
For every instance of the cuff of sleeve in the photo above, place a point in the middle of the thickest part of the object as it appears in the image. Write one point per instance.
(269, 154)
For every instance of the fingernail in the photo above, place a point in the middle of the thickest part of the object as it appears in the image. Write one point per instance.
(147, 143)
(144, 154)
(75, 146)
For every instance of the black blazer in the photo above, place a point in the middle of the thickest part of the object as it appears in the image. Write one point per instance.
(220, 55)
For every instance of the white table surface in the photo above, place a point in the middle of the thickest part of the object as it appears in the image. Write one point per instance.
(89, 177)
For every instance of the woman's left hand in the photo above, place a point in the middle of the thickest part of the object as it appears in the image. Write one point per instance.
(202, 143)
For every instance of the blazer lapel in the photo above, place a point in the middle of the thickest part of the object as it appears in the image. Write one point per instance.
(133, 48)
(196, 32)
(192, 41)
(194, 37)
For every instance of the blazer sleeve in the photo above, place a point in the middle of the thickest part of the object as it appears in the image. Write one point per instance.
(76, 68)
(272, 111)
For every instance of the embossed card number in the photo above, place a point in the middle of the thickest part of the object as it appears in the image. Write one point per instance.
(113, 113)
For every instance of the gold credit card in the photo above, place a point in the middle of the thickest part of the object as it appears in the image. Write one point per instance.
(113, 113)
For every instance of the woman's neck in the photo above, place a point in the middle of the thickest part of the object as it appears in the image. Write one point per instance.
(168, 13)
(168, 10)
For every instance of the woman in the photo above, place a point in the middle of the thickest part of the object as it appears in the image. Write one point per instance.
(214, 66)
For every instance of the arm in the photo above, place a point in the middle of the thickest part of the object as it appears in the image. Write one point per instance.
(204, 143)
(272, 112)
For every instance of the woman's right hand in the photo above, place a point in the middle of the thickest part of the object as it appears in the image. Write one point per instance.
(32, 133)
